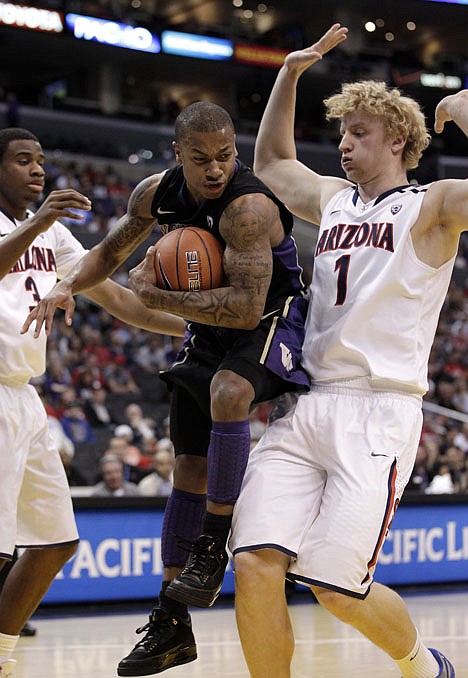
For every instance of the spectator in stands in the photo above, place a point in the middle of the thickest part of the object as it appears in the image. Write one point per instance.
(120, 381)
(129, 454)
(58, 378)
(142, 427)
(456, 461)
(151, 355)
(442, 482)
(87, 376)
(113, 483)
(96, 409)
(461, 439)
(159, 483)
(419, 478)
(75, 424)
(63, 443)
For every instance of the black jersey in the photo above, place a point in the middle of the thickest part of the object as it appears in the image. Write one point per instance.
(172, 208)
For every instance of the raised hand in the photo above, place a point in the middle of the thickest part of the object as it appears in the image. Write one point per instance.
(452, 107)
(60, 205)
(301, 60)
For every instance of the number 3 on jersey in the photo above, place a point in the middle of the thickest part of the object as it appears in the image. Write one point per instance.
(31, 286)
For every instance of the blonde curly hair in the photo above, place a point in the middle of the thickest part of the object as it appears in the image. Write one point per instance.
(401, 114)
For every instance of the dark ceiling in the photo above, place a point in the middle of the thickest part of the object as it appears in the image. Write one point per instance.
(439, 42)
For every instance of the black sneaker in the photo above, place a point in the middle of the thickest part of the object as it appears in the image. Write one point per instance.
(168, 642)
(200, 581)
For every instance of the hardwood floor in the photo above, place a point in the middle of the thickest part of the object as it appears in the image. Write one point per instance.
(88, 644)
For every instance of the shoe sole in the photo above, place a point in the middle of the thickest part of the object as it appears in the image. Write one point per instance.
(167, 662)
(185, 594)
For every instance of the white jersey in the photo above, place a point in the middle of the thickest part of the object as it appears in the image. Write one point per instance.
(50, 256)
(374, 305)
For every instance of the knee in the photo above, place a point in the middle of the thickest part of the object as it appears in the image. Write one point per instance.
(259, 571)
(231, 396)
(55, 558)
(246, 566)
(66, 552)
(341, 606)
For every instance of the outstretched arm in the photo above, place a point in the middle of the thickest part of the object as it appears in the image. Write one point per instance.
(275, 150)
(102, 260)
(57, 205)
(446, 205)
(123, 304)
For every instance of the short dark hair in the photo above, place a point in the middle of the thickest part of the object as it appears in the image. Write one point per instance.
(201, 116)
(10, 134)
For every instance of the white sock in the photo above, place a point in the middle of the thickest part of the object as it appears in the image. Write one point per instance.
(419, 663)
(7, 645)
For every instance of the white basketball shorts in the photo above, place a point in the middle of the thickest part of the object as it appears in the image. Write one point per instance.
(323, 484)
(35, 501)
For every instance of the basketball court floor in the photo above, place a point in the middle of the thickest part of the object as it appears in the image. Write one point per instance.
(89, 642)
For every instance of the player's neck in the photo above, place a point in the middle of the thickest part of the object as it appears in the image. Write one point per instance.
(372, 189)
(12, 213)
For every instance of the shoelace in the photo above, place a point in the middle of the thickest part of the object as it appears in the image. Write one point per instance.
(200, 559)
(151, 626)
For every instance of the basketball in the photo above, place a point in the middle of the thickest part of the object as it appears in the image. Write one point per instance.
(189, 258)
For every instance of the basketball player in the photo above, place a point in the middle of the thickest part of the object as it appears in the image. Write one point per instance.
(242, 346)
(323, 484)
(35, 503)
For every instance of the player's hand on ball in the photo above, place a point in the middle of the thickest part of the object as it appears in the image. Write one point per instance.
(142, 280)
(59, 296)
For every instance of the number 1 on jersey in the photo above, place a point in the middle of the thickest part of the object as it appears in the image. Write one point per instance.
(342, 266)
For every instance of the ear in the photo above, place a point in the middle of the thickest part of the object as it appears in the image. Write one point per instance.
(398, 144)
(177, 152)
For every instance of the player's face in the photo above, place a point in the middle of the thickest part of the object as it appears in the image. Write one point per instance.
(365, 147)
(21, 176)
(208, 160)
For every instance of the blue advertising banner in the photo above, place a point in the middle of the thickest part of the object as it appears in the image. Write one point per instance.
(426, 544)
(119, 557)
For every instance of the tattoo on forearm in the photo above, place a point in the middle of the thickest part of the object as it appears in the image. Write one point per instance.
(131, 232)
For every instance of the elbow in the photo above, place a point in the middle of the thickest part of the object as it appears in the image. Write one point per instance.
(250, 321)
(259, 165)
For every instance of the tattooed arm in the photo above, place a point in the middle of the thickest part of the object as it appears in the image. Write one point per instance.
(250, 225)
(102, 260)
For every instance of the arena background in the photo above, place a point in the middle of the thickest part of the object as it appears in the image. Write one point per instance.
(100, 83)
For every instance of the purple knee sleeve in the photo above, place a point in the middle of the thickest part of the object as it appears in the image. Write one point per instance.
(182, 518)
(227, 458)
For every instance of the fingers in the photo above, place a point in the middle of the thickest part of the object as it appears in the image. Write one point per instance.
(150, 253)
(69, 311)
(43, 315)
(30, 319)
(441, 118)
(68, 199)
(59, 205)
(37, 314)
(302, 59)
(333, 37)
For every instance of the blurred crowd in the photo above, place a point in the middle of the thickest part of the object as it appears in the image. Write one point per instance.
(109, 410)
